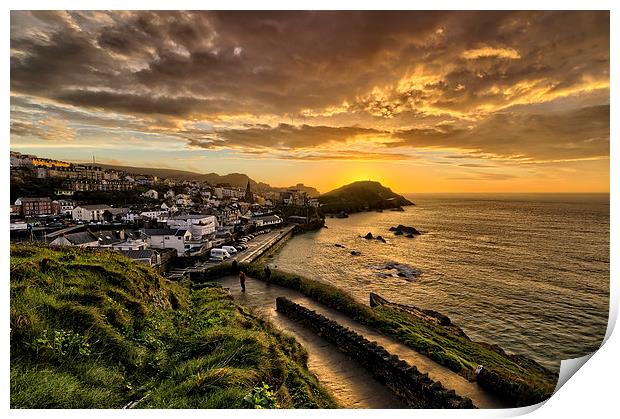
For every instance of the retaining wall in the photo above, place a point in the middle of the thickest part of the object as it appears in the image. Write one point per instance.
(417, 390)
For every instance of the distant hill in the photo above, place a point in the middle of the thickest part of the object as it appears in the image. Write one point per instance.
(361, 196)
(153, 171)
(232, 179)
(312, 192)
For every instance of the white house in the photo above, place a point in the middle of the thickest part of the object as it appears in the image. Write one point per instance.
(183, 199)
(263, 221)
(169, 194)
(131, 216)
(131, 244)
(63, 206)
(168, 238)
(159, 216)
(151, 194)
(200, 226)
(89, 212)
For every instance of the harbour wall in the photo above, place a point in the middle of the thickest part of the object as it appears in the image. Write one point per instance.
(417, 390)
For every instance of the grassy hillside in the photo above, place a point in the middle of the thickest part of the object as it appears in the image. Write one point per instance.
(361, 196)
(92, 329)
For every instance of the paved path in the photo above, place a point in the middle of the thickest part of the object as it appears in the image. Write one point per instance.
(350, 383)
(259, 244)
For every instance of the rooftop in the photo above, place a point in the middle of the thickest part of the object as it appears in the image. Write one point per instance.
(80, 238)
(94, 207)
(164, 232)
(44, 199)
(138, 254)
(189, 217)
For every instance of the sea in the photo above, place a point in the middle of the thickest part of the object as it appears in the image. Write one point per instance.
(528, 272)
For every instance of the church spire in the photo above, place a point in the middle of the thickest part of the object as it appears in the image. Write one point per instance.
(249, 197)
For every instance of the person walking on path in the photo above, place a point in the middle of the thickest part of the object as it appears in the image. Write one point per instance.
(242, 281)
(267, 274)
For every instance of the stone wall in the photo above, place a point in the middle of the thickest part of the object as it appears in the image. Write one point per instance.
(417, 390)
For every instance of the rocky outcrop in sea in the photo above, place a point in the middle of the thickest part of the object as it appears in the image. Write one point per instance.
(401, 270)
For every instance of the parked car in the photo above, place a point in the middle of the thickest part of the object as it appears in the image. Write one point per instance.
(230, 249)
(217, 253)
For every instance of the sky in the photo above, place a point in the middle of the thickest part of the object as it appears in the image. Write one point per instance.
(420, 101)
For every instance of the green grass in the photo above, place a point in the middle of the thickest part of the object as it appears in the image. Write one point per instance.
(92, 329)
(516, 378)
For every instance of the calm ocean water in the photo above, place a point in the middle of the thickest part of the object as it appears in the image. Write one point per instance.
(528, 272)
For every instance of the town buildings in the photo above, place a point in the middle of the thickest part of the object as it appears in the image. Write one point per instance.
(89, 212)
(29, 207)
(186, 220)
(151, 194)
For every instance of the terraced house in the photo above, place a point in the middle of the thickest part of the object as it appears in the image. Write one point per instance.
(89, 212)
(34, 206)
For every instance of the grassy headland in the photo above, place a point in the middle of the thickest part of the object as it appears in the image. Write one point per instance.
(361, 196)
(92, 329)
(518, 379)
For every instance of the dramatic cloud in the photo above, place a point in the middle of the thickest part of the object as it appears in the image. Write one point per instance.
(522, 87)
(509, 53)
(582, 133)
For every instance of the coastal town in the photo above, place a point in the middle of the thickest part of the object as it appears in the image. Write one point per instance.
(165, 223)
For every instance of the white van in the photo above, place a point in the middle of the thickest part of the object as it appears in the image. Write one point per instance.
(219, 253)
(230, 249)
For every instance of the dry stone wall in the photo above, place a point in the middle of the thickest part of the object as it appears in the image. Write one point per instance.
(417, 390)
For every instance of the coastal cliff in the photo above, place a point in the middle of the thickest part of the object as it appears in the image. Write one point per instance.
(361, 196)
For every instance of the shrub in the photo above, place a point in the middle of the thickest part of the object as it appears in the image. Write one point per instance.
(261, 397)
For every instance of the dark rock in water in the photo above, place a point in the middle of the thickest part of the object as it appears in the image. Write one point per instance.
(398, 233)
(377, 300)
(404, 271)
(381, 239)
(405, 230)
(368, 236)
(355, 253)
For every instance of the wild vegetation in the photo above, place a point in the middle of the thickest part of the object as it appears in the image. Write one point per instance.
(516, 378)
(92, 329)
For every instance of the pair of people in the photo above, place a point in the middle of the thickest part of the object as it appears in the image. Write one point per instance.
(242, 278)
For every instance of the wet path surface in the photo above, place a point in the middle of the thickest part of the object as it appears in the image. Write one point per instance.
(348, 381)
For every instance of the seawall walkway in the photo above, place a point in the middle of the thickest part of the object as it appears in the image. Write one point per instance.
(350, 383)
